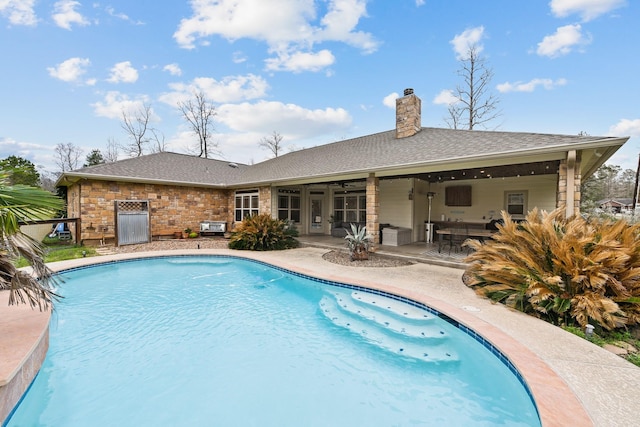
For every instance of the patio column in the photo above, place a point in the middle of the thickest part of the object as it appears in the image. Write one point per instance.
(373, 209)
(569, 180)
(264, 197)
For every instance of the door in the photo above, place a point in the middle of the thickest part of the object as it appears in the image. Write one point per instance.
(317, 218)
(132, 222)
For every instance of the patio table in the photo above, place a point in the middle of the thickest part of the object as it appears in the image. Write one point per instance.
(470, 232)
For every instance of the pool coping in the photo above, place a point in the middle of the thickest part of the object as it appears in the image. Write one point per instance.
(557, 402)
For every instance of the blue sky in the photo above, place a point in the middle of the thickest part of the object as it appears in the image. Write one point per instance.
(313, 71)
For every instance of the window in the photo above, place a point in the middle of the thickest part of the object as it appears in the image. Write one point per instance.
(246, 204)
(289, 205)
(351, 207)
(516, 202)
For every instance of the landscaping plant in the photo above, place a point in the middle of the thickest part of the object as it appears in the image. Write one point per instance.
(20, 203)
(358, 242)
(564, 270)
(264, 233)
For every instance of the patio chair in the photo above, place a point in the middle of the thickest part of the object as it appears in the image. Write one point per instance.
(457, 237)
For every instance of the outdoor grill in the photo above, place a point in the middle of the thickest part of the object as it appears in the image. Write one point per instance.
(211, 227)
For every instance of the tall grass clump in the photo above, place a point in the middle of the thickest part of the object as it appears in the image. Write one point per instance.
(565, 270)
(263, 233)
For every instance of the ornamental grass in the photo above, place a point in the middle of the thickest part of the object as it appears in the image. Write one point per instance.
(567, 271)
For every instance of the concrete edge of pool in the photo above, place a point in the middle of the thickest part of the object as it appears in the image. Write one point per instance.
(559, 392)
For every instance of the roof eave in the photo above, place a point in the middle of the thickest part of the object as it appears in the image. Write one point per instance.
(556, 152)
(72, 178)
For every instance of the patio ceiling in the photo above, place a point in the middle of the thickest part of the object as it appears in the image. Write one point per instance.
(504, 171)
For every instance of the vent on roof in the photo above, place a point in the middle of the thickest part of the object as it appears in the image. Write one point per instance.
(233, 165)
(408, 91)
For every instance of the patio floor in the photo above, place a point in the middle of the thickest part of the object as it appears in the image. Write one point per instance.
(417, 251)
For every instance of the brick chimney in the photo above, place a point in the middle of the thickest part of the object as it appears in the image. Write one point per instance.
(408, 110)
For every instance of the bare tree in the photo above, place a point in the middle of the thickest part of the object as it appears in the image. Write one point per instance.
(67, 156)
(112, 152)
(159, 145)
(272, 143)
(136, 125)
(199, 113)
(475, 105)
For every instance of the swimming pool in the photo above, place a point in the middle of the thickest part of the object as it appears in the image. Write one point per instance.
(223, 341)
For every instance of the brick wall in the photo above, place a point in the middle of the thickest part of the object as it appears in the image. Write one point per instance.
(373, 209)
(408, 115)
(172, 208)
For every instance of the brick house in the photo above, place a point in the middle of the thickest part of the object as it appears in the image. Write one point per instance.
(403, 177)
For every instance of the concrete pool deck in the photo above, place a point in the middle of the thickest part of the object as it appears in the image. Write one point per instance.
(575, 383)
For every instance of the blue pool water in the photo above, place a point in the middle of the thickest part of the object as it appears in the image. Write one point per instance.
(216, 341)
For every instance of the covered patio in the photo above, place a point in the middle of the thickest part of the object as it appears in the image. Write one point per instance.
(417, 251)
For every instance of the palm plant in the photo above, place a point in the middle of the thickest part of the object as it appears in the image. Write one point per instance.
(562, 269)
(358, 242)
(22, 203)
(264, 233)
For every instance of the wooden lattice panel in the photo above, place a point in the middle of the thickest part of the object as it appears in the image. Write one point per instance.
(133, 206)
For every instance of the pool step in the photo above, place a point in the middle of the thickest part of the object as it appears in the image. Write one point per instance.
(404, 339)
(391, 314)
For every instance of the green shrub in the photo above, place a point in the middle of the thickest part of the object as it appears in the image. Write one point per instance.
(564, 270)
(263, 233)
(358, 242)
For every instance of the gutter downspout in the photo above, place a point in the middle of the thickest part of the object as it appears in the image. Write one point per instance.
(571, 186)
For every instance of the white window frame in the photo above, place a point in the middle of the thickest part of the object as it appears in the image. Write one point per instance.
(354, 212)
(514, 199)
(247, 203)
(285, 212)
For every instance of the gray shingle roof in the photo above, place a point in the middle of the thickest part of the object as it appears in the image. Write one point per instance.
(168, 167)
(381, 151)
(429, 146)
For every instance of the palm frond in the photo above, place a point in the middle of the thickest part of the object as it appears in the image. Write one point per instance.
(568, 267)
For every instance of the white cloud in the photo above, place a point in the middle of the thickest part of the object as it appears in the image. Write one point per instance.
(115, 103)
(229, 89)
(390, 100)
(626, 127)
(288, 119)
(587, 9)
(420, 2)
(111, 11)
(562, 42)
(445, 97)
(19, 12)
(173, 69)
(239, 57)
(463, 41)
(531, 85)
(71, 70)
(340, 22)
(41, 155)
(123, 72)
(301, 61)
(65, 14)
(286, 26)
(11, 147)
